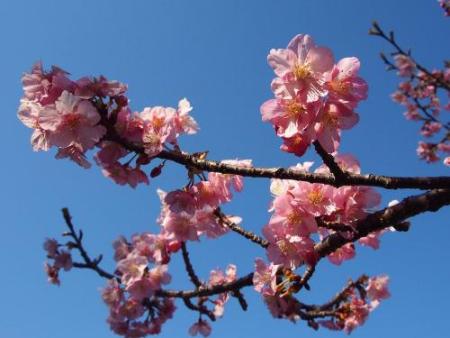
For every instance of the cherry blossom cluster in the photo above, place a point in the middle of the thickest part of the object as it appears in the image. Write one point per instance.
(348, 310)
(76, 116)
(301, 210)
(191, 212)
(185, 215)
(359, 301)
(62, 259)
(445, 4)
(314, 98)
(420, 94)
(136, 309)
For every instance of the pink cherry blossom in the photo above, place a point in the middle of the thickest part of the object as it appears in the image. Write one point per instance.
(404, 64)
(112, 294)
(302, 63)
(28, 113)
(109, 153)
(290, 115)
(289, 251)
(298, 143)
(371, 239)
(314, 198)
(282, 307)
(430, 129)
(155, 247)
(332, 119)
(45, 87)
(343, 83)
(74, 153)
(132, 268)
(185, 123)
(344, 253)
(63, 260)
(201, 327)
(377, 288)
(51, 246)
(52, 274)
(427, 151)
(72, 121)
(264, 277)
(359, 311)
(124, 174)
(290, 215)
(87, 87)
(181, 226)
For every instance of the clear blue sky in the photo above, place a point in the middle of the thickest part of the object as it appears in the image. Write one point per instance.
(214, 53)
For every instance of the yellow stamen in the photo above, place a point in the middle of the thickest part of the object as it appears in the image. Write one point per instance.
(315, 197)
(294, 109)
(341, 87)
(301, 72)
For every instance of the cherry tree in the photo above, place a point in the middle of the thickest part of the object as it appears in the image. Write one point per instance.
(321, 212)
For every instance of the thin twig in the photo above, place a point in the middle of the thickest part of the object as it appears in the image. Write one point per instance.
(189, 268)
(200, 308)
(201, 164)
(338, 173)
(236, 228)
(396, 214)
(376, 30)
(88, 262)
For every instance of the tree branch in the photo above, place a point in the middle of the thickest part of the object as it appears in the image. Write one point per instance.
(396, 214)
(239, 230)
(189, 268)
(409, 207)
(339, 174)
(200, 164)
(376, 30)
(88, 262)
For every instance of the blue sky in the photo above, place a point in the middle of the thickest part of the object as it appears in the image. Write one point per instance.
(214, 53)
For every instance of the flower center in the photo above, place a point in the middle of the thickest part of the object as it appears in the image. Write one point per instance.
(294, 109)
(158, 122)
(341, 87)
(296, 140)
(301, 72)
(72, 121)
(294, 218)
(315, 197)
(151, 139)
(330, 120)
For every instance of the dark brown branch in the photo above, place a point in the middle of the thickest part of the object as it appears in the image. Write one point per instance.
(376, 30)
(387, 182)
(309, 272)
(88, 262)
(334, 226)
(200, 164)
(409, 207)
(343, 294)
(396, 214)
(200, 308)
(329, 161)
(240, 297)
(236, 228)
(189, 268)
(238, 284)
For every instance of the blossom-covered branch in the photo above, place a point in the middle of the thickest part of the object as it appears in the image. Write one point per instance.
(315, 213)
(387, 182)
(409, 207)
(421, 91)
